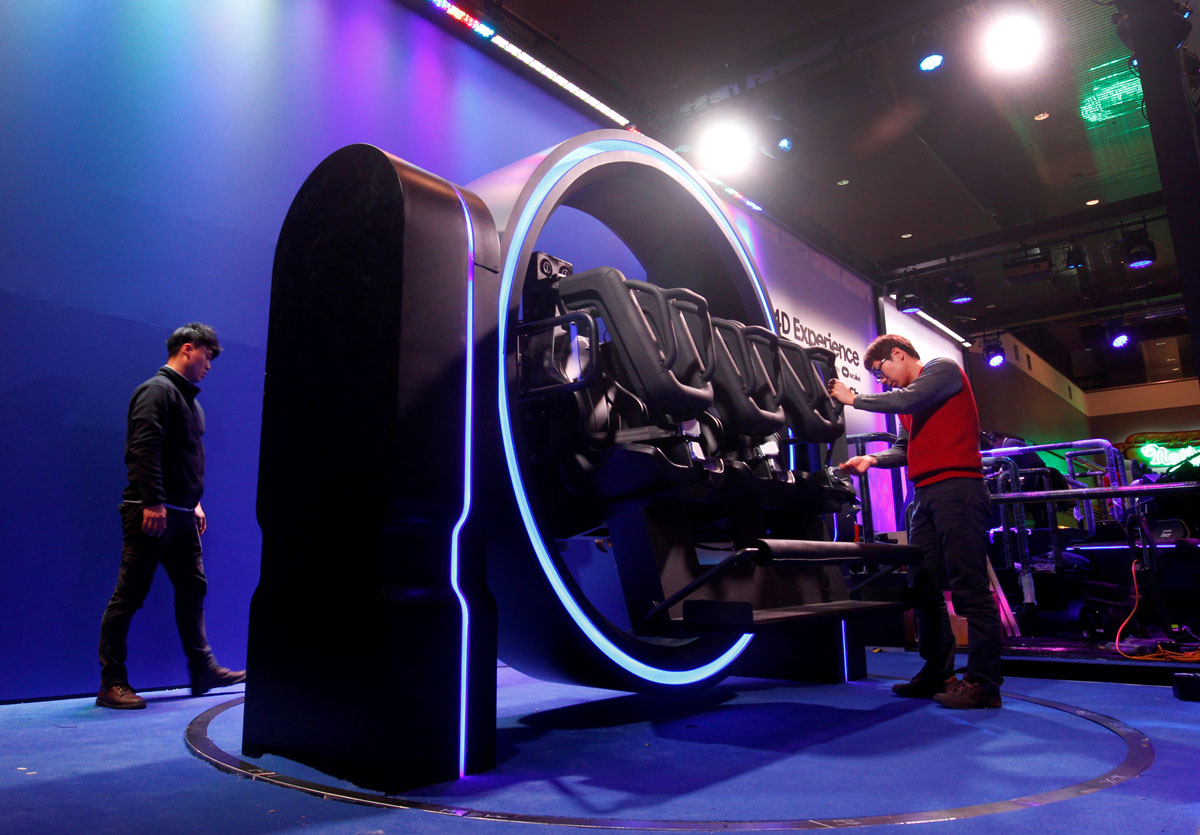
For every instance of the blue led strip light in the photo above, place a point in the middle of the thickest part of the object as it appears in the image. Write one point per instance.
(468, 421)
(845, 655)
(489, 34)
(521, 228)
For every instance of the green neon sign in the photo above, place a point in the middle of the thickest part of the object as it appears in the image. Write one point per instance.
(1160, 456)
(1113, 96)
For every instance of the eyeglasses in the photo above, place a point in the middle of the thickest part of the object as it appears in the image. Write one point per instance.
(877, 371)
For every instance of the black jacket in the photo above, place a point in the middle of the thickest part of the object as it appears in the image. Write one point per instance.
(164, 446)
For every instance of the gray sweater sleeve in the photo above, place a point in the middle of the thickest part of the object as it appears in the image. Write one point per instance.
(938, 381)
(894, 456)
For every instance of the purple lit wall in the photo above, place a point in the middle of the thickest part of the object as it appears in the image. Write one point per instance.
(151, 151)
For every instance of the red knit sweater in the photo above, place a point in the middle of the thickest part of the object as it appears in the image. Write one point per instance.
(943, 440)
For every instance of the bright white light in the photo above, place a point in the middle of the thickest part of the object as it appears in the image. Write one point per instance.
(930, 62)
(1013, 41)
(943, 329)
(726, 149)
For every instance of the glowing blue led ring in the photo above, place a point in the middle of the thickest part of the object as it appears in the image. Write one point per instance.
(519, 230)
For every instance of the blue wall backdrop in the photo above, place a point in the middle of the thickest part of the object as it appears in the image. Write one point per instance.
(150, 152)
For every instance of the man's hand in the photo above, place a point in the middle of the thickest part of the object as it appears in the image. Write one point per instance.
(859, 464)
(201, 520)
(154, 520)
(840, 392)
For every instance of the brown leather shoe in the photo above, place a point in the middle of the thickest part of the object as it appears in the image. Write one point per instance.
(924, 687)
(120, 697)
(969, 695)
(217, 677)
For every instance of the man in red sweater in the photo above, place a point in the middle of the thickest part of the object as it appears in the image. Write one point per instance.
(939, 442)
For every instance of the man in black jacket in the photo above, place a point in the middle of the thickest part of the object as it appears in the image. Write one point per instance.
(162, 519)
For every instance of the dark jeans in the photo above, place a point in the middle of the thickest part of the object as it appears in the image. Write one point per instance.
(949, 524)
(179, 552)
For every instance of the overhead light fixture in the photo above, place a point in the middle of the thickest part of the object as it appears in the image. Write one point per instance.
(1074, 258)
(726, 148)
(993, 351)
(1137, 250)
(928, 51)
(776, 138)
(1095, 201)
(906, 235)
(843, 182)
(1031, 264)
(1116, 334)
(1013, 40)
(908, 302)
(961, 288)
(1041, 117)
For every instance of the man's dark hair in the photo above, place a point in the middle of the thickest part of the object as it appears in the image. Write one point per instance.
(196, 333)
(881, 348)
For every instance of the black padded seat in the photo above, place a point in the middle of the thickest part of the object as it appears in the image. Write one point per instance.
(812, 414)
(824, 365)
(745, 389)
(659, 359)
(656, 361)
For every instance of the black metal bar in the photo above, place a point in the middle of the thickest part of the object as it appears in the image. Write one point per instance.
(588, 375)
(882, 573)
(724, 565)
(817, 551)
(860, 442)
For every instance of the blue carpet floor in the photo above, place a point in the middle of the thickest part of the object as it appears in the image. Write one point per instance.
(747, 750)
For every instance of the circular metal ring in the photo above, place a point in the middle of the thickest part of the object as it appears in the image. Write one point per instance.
(1139, 756)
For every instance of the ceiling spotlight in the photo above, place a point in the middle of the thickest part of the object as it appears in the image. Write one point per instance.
(961, 288)
(908, 302)
(1013, 41)
(928, 51)
(1137, 250)
(1116, 334)
(1074, 258)
(726, 149)
(776, 138)
(993, 351)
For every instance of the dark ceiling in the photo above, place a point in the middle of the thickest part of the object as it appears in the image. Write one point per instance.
(954, 160)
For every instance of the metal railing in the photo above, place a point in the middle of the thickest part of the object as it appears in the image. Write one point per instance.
(860, 442)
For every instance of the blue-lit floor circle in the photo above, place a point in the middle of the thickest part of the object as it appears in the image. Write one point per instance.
(745, 755)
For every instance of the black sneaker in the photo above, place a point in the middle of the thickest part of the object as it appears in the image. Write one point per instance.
(969, 695)
(216, 677)
(119, 696)
(924, 687)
